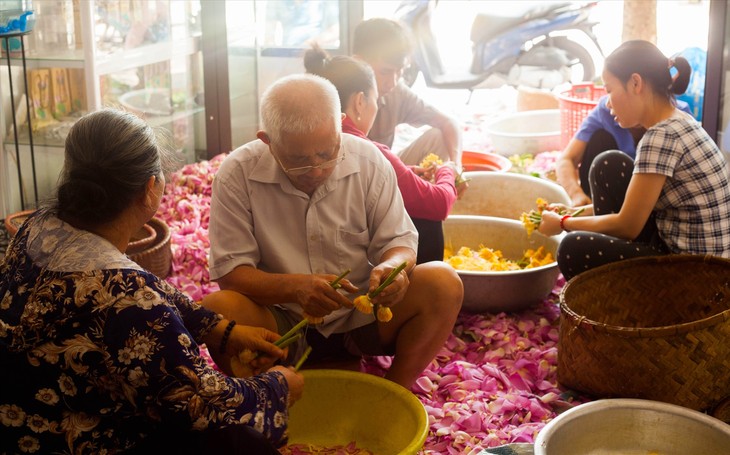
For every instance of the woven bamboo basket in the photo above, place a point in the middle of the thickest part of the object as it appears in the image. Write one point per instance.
(157, 257)
(15, 220)
(656, 328)
(142, 239)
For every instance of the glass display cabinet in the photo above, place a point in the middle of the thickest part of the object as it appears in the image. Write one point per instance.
(143, 56)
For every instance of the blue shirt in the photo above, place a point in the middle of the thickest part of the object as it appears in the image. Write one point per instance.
(600, 118)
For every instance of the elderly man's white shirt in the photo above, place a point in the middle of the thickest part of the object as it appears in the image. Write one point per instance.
(258, 219)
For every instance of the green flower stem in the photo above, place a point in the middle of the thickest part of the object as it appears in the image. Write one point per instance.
(301, 361)
(289, 340)
(291, 332)
(388, 280)
(336, 283)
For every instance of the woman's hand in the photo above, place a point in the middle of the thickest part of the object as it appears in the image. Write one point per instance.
(580, 198)
(550, 224)
(426, 173)
(558, 208)
(461, 187)
(250, 350)
(256, 339)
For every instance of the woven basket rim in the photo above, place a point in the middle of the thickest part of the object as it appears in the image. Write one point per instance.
(158, 257)
(159, 225)
(644, 332)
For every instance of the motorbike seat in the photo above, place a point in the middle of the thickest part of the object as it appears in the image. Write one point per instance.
(488, 25)
(428, 58)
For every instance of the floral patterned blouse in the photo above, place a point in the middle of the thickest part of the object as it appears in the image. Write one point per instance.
(95, 351)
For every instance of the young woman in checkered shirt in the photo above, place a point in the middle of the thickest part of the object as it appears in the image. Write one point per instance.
(673, 198)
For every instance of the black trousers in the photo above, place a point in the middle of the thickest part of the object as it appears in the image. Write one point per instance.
(430, 240)
(601, 141)
(579, 251)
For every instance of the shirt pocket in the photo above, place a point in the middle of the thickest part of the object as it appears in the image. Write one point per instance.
(352, 252)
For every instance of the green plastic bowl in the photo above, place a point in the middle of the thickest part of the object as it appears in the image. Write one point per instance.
(339, 407)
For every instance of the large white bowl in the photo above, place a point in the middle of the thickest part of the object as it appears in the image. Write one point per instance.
(631, 426)
(147, 102)
(526, 132)
(506, 195)
(509, 291)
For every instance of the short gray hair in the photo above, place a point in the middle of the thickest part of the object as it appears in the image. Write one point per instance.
(299, 104)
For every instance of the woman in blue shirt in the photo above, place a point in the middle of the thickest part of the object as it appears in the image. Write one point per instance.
(597, 133)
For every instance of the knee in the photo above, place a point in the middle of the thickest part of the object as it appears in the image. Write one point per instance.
(233, 305)
(567, 254)
(610, 159)
(438, 282)
(433, 141)
(223, 298)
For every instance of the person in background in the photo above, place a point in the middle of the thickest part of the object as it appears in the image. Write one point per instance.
(598, 132)
(102, 356)
(428, 204)
(386, 46)
(674, 198)
(303, 203)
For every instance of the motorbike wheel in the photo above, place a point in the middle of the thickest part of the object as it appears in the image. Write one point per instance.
(579, 57)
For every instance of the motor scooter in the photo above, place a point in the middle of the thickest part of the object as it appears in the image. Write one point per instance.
(529, 47)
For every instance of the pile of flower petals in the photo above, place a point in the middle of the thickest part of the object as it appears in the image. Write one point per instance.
(185, 208)
(493, 383)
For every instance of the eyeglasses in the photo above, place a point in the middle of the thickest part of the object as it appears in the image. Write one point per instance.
(305, 169)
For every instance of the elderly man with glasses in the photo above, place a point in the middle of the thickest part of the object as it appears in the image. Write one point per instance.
(303, 203)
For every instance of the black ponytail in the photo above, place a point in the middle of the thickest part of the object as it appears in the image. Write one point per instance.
(348, 74)
(644, 58)
(315, 60)
(680, 81)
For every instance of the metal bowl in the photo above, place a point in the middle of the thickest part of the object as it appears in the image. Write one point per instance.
(493, 292)
(505, 194)
(631, 426)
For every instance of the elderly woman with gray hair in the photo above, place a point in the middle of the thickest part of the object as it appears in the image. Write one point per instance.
(102, 356)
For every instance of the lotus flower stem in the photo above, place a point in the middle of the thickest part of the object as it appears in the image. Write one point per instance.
(336, 283)
(291, 332)
(388, 280)
(303, 359)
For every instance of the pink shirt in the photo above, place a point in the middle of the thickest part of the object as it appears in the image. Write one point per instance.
(422, 199)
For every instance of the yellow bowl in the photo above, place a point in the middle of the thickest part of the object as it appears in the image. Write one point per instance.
(339, 407)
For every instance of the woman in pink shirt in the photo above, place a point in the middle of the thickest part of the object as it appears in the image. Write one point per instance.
(427, 203)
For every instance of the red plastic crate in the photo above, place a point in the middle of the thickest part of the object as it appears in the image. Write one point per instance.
(574, 105)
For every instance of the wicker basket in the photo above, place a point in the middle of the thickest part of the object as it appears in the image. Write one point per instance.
(157, 257)
(656, 328)
(15, 220)
(142, 239)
